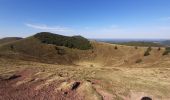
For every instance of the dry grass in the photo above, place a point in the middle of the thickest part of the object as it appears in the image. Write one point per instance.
(112, 71)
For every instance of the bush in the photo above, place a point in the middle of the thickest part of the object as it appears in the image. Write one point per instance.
(91, 65)
(167, 51)
(78, 42)
(60, 51)
(147, 52)
(12, 47)
(116, 47)
(138, 60)
(136, 47)
(149, 49)
(159, 49)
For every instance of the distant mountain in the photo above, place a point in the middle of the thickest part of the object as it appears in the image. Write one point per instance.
(9, 39)
(167, 42)
(139, 43)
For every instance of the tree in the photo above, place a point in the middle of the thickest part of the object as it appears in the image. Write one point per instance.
(116, 47)
(147, 52)
(12, 47)
(159, 49)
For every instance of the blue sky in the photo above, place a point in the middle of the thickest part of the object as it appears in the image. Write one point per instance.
(89, 18)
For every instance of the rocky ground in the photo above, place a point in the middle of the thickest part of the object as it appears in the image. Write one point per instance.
(25, 80)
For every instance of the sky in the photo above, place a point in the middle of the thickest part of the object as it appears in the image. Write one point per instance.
(125, 19)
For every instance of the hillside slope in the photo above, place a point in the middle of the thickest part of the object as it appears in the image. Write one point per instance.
(106, 71)
(33, 49)
(9, 39)
(78, 42)
(120, 55)
(104, 54)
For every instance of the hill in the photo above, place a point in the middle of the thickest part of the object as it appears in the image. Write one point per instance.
(139, 43)
(32, 66)
(47, 48)
(167, 42)
(9, 39)
(53, 48)
(78, 42)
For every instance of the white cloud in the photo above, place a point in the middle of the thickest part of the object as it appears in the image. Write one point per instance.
(142, 32)
(112, 31)
(49, 28)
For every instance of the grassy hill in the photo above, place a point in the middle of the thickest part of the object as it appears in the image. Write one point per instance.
(78, 42)
(46, 47)
(52, 48)
(106, 70)
(9, 39)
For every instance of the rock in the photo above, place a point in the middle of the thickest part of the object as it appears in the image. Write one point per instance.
(67, 86)
(87, 91)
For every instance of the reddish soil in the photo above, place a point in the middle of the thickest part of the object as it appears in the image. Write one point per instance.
(9, 91)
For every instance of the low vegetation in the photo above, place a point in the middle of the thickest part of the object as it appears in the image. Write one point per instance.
(138, 60)
(60, 51)
(167, 51)
(64, 73)
(12, 47)
(78, 42)
(116, 47)
(147, 52)
(9, 39)
(159, 49)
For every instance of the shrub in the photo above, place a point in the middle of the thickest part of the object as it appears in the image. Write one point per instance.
(136, 47)
(61, 51)
(167, 51)
(12, 47)
(149, 49)
(56, 48)
(91, 65)
(138, 60)
(116, 47)
(159, 49)
(147, 52)
(92, 51)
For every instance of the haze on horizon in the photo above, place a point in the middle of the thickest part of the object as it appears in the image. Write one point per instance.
(90, 18)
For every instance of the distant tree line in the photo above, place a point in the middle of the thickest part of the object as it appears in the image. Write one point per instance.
(140, 44)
